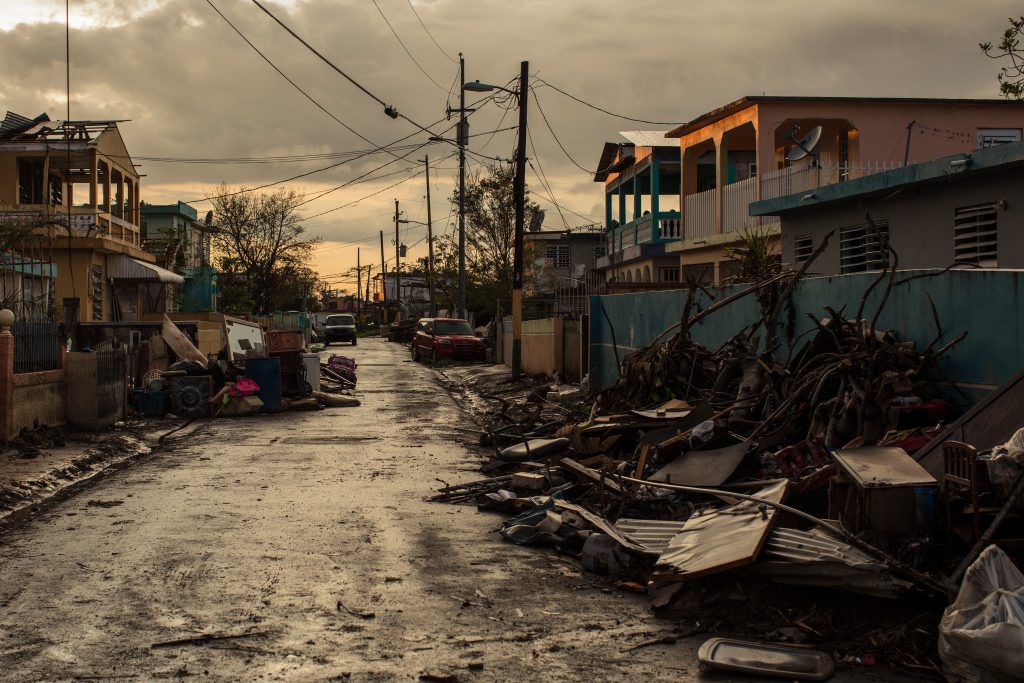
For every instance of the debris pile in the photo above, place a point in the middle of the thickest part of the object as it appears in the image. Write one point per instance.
(711, 479)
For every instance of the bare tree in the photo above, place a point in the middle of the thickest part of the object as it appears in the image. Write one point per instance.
(262, 247)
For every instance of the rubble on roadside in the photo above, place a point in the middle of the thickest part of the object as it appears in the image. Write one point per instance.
(718, 480)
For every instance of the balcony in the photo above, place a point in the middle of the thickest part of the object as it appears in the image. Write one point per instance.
(84, 221)
(640, 233)
(806, 177)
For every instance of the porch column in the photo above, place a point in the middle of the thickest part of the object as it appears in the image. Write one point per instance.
(119, 196)
(655, 199)
(721, 180)
(93, 175)
(607, 209)
(637, 197)
(6, 375)
(622, 203)
(106, 188)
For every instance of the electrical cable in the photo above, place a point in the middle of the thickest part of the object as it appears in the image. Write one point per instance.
(547, 123)
(285, 76)
(543, 178)
(425, 30)
(388, 109)
(395, 33)
(544, 83)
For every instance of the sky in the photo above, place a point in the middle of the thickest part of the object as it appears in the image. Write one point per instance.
(191, 88)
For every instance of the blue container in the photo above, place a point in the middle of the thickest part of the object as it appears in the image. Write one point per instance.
(266, 372)
(152, 403)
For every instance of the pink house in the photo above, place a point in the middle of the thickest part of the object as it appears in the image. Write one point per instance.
(737, 154)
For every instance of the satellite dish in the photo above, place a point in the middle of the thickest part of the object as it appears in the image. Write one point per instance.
(536, 221)
(805, 145)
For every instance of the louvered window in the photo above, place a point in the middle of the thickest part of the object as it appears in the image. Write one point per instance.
(558, 255)
(861, 248)
(803, 247)
(974, 235)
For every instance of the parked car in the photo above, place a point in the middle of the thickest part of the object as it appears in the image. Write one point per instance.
(446, 338)
(340, 327)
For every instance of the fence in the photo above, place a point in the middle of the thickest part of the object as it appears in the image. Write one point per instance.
(810, 176)
(699, 210)
(736, 199)
(37, 346)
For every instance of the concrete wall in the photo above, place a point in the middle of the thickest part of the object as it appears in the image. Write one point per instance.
(920, 221)
(985, 303)
(38, 398)
(542, 346)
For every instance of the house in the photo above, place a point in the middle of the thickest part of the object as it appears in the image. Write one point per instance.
(414, 289)
(743, 152)
(559, 266)
(641, 199)
(181, 243)
(960, 209)
(75, 184)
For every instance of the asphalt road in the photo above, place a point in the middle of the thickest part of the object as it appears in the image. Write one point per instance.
(306, 538)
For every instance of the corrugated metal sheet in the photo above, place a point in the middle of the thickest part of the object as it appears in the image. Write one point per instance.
(650, 533)
(127, 268)
(649, 138)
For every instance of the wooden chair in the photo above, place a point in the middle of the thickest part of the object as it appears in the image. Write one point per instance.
(961, 473)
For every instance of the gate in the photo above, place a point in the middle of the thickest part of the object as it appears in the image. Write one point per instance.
(571, 357)
(36, 346)
(111, 385)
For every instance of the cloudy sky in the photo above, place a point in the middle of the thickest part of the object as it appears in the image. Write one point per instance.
(193, 89)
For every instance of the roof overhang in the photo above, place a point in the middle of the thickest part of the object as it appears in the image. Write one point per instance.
(121, 267)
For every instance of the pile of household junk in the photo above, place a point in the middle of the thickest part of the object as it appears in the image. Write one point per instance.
(715, 481)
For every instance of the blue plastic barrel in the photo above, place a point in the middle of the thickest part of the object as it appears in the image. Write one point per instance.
(266, 372)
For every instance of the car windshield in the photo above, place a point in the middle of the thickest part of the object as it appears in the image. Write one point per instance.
(340, 320)
(452, 327)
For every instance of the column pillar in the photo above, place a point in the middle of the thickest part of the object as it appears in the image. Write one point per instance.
(655, 198)
(607, 209)
(622, 203)
(6, 375)
(721, 179)
(93, 183)
(637, 197)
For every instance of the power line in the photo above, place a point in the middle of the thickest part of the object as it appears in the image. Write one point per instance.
(560, 145)
(388, 109)
(542, 177)
(425, 30)
(285, 76)
(399, 39)
(542, 83)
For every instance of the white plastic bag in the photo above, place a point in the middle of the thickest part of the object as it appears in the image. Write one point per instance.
(981, 635)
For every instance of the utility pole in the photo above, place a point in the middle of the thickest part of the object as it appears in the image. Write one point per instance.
(398, 265)
(462, 139)
(383, 279)
(430, 243)
(519, 196)
(359, 286)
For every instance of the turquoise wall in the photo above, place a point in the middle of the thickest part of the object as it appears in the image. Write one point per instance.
(985, 303)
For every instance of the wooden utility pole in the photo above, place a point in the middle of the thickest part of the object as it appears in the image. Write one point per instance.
(519, 196)
(359, 286)
(383, 279)
(398, 264)
(430, 243)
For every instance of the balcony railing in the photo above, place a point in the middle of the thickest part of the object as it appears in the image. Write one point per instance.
(806, 177)
(736, 199)
(699, 210)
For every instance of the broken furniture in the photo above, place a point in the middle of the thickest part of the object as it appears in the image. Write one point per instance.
(881, 490)
(961, 473)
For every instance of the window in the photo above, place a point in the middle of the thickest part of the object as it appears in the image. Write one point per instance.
(974, 235)
(700, 273)
(96, 280)
(861, 249)
(30, 181)
(600, 251)
(668, 274)
(558, 255)
(803, 247)
(987, 137)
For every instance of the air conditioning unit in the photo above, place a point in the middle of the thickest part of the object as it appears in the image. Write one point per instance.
(190, 396)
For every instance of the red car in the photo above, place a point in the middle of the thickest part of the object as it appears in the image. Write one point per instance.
(446, 338)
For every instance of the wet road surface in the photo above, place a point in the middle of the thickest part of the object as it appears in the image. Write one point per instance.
(307, 535)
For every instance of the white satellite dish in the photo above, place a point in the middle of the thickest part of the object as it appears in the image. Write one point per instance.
(805, 145)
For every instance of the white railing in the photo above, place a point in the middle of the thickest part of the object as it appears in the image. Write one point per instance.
(736, 199)
(699, 210)
(809, 176)
(670, 227)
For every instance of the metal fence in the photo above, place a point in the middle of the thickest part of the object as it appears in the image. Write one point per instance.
(37, 346)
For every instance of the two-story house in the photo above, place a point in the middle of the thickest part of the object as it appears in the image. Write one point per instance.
(559, 266)
(744, 152)
(641, 200)
(181, 242)
(75, 182)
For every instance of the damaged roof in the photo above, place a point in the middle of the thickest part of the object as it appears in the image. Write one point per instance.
(17, 128)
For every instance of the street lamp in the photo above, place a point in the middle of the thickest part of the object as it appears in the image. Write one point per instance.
(519, 197)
